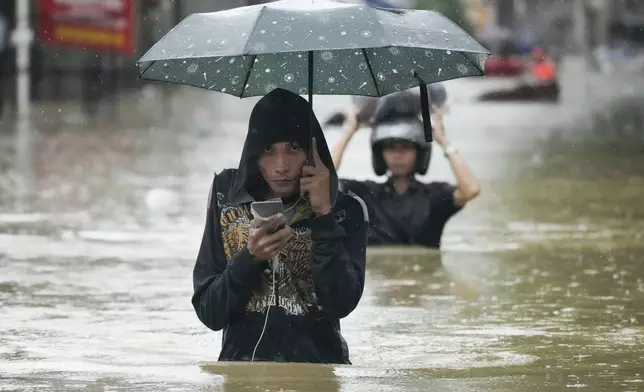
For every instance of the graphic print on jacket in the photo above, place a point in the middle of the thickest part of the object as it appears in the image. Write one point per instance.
(293, 277)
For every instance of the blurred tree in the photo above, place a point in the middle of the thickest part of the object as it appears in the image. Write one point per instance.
(453, 9)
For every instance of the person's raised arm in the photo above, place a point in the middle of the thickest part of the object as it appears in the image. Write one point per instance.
(467, 186)
(339, 254)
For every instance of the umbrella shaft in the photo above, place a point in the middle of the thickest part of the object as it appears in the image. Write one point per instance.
(311, 115)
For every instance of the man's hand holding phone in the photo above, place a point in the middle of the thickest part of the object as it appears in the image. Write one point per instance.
(266, 241)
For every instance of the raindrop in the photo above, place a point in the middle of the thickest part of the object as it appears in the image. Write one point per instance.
(322, 38)
(302, 90)
(366, 33)
(287, 28)
(205, 76)
(165, 64)
(428, 53)
(362, 66)
(191, 46)
(192, 68)
(327, 56)
(166, 76)
(223, 90)
(445, 31)
(231, 61)
(440, 71)
(262, 31)
(267, 70)
(343, 33)
(209, 41)
(219, 70)
(394, 70)
(381, 76)
(331, 79)
(449, 52)
(289, 78)
(462, 69)
(243, 34)
(397, 86)
(234, 80)
(274, 22)
(223, 42)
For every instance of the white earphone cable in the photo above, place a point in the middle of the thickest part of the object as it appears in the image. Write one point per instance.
(273, 296)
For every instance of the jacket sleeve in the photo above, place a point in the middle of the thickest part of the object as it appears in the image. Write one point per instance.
(222, 287)
(339, 258)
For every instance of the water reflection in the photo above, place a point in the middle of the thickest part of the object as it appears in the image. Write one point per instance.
(239, 377)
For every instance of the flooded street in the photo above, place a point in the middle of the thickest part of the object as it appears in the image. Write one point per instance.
(540, 285)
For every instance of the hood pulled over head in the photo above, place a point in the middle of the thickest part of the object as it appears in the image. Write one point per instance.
(280, 116)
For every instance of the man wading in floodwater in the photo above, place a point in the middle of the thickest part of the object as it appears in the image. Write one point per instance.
(403, 210)
(280, 297)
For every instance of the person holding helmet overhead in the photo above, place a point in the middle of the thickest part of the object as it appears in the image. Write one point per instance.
(403, 210)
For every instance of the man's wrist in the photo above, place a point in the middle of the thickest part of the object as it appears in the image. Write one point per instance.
(449, 150)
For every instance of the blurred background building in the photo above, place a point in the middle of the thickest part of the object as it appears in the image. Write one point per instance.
(86, 50)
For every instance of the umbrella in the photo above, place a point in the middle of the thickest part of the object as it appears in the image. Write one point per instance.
(317, 47)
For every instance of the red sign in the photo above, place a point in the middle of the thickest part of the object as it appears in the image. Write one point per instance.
(100, 25)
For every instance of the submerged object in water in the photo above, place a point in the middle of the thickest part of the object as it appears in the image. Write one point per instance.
(538, 93)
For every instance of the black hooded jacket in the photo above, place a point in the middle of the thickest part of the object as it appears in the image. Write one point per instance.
(321, 273)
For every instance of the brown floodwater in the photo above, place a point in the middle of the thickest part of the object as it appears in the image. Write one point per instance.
(540, 284)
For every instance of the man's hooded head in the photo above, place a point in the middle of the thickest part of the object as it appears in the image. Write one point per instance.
(279, 135)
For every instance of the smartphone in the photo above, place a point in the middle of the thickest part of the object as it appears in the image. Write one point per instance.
(262, 210)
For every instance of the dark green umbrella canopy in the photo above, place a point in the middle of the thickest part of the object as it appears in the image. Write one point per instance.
(313, 47)
(357, 49)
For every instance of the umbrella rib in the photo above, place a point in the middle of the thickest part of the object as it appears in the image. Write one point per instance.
(250, 69)
(146, 69)
(259, 14)
(373, 77)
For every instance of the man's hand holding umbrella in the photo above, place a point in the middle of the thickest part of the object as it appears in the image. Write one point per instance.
(315, 184)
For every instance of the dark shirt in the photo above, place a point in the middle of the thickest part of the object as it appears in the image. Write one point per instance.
(416, 217)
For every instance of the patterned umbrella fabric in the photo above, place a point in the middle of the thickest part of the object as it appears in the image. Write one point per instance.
(313, 47)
